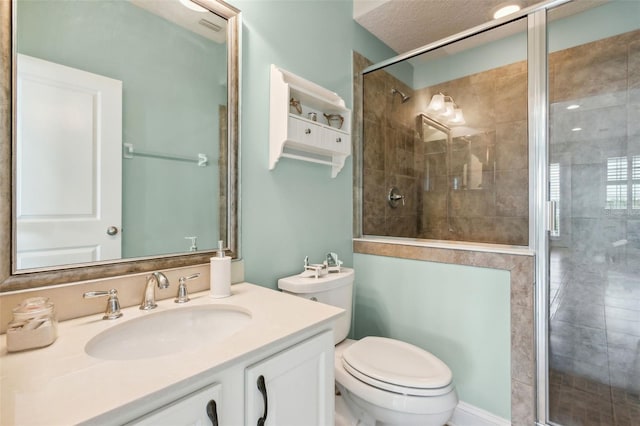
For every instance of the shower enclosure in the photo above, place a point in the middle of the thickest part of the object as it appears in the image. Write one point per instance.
(438, 147)
(545, 156)
(594, 180)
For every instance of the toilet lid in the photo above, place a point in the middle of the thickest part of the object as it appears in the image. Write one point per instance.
(396, 366)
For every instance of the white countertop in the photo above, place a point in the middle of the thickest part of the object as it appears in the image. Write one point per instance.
(61, 384)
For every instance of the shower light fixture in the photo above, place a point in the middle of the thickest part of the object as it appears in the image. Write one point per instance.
(448, 109)
(444, 109)
(576, 129)
(437, 102)
(458, 117)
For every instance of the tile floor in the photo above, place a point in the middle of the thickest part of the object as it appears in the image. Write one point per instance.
(594, 342)
(576, 401)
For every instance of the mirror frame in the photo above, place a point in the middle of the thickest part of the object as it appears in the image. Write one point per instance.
(11, 281)
(424, 118)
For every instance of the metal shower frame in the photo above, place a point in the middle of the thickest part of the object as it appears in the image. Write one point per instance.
(538, 137)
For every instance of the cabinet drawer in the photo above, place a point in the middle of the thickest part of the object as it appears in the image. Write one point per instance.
(190, 410)
(336, 141)
(304, 132)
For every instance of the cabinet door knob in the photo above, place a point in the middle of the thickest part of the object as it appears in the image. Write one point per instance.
(307, 131)
(338, 140)
(212, 412)
(262, 387)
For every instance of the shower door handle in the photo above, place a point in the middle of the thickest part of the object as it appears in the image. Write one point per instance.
(552, 212)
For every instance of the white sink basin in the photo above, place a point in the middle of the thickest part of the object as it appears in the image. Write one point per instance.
(168, 332)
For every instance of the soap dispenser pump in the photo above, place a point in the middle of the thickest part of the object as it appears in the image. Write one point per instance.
(220, 274)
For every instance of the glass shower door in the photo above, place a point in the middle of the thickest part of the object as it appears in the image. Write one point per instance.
(594, 179)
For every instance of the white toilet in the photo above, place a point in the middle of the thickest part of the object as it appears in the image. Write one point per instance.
(381, 381)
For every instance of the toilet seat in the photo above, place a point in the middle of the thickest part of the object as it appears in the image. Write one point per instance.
(397, 367)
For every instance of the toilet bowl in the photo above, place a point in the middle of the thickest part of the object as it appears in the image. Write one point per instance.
(390, 394)
(379, 381)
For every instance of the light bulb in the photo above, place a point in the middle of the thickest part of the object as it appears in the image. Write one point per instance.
(448, 109)
(505, 10)
(437, 103)
(193, 6)
(458, 117)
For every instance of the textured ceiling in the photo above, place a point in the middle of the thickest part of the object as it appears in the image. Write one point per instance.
(404, 25)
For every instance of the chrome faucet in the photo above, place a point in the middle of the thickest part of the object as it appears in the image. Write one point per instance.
(149, 299)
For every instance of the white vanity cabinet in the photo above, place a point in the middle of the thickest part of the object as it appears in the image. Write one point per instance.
(297, 389)
(288, 341)
(293, 131)
(197, 409)
(294, 387)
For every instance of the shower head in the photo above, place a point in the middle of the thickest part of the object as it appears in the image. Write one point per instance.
(404, 97)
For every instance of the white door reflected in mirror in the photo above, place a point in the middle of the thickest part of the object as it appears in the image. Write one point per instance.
(69, 170)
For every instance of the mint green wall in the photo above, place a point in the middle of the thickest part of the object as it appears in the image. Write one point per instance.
(608, 20)
(613, 18)
(297, 209)
(403, 71)
(461, 314)
(482, 58)
(171, 92)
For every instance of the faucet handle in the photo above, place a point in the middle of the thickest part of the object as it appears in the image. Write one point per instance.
(333, 263)
(194, 243)
(113, 305)
(183, 295)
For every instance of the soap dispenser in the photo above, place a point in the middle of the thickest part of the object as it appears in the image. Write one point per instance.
(220, 274)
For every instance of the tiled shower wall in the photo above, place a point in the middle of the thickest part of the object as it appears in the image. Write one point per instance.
(496, 211)
(595, 260)
(390, 157)
(495, 102)
(603, 77)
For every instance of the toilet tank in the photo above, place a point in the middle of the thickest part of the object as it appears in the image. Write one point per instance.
(334, 289)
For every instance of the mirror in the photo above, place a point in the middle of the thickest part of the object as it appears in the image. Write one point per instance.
(117, 108)
(468, 154)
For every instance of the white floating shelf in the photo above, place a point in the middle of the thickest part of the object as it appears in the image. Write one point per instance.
(295, 135)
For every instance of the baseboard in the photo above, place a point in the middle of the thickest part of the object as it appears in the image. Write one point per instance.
(469, 415)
